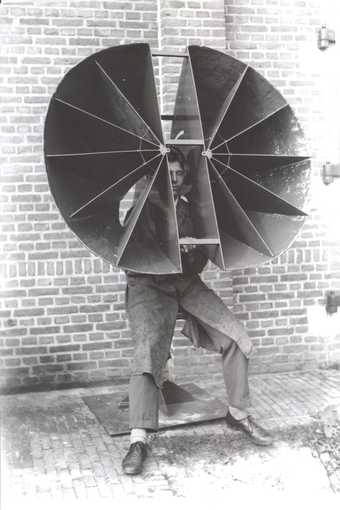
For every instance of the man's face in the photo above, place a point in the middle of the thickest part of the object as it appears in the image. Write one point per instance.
(177, 174)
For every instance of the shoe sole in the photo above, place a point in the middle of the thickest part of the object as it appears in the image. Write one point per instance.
(132, 472)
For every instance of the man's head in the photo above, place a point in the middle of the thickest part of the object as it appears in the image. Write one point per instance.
(178, 170)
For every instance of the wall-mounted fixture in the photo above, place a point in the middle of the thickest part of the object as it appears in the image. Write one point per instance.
(326, 37)
(329, 172)
(332, 301)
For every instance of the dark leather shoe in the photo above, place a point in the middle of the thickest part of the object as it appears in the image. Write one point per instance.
(133, 461)
(248, 426)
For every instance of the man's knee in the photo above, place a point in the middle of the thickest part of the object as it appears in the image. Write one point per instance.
(142, 380)
(228, 347)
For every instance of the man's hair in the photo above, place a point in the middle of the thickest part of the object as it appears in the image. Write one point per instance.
(177, 155)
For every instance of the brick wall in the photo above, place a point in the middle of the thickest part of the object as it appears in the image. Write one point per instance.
(62, 312)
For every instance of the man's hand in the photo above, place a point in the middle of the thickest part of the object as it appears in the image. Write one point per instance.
(187, 244)
(186, 248)
(193, 258)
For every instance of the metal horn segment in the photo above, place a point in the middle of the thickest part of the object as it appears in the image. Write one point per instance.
(250, 167)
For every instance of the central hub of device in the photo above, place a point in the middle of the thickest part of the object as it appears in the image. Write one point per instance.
(207, 153)
(163, 150)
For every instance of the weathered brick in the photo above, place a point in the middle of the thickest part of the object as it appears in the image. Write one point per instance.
(78, 328)
(86, 365)
(15, 332)
(44, 330)
(280, 331)
(107, 326)
(252, 297)
(29, 312)
(294, 277)
(77, 290)
(113, 363)
(265, 314)
(280, 295)
(6, 352)
(97, 345)
(63, 357)
(43, 369)
(94, 308)
(30, 350)
(64, 348)
(14, 371)
(62, 310)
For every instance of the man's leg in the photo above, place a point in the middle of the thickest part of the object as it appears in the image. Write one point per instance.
(143, 416)
(235, 374)
(223, 333)
(152, 308)
(235, 371)
(202, 303)
(143, 402)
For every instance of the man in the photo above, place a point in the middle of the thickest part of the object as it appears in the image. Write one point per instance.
(152, 304)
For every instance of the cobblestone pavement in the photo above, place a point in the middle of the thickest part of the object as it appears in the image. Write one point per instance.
(54, 448)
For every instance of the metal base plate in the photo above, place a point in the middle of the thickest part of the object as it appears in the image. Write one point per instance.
(179, 405)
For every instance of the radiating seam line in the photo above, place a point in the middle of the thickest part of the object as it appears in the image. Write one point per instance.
(143, 199)
(103, 120)
(249, 221)
(127, 101)
(240, 80)
(117, 183)
(99, 153)
(300, 158)
(263, 188)
(257, 122)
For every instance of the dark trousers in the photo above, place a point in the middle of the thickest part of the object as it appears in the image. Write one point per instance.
(144, 394)
(152, 305)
